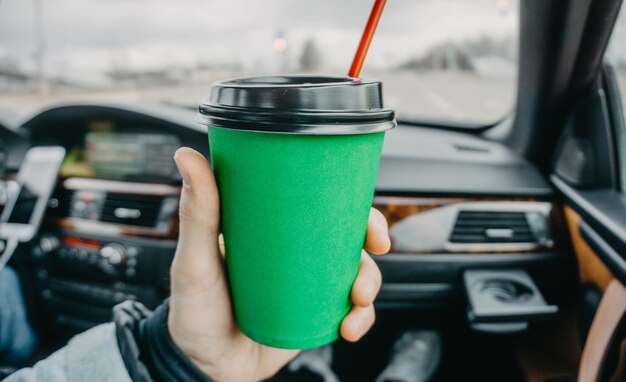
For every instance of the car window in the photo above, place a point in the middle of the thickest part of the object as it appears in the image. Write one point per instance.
(453, 61)
(616, 57)
(616, 51)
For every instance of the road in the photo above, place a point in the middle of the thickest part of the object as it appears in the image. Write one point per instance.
(430, 96)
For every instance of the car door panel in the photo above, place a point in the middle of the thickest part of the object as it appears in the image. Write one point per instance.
(591, 270)
(587, 169)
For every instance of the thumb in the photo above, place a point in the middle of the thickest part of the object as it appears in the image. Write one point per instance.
(197, 264)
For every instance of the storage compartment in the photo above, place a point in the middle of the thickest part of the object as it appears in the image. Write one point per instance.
(504, 300)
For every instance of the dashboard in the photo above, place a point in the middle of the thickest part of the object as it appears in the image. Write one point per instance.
(111, 226)
(453, 201)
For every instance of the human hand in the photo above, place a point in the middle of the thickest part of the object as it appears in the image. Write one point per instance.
(201, 321)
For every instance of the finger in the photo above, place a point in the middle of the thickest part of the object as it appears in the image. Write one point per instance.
(367, 283)
(197, 262)
(357, 323)
(377, 238)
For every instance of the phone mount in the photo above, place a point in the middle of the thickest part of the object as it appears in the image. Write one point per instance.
(7, 247)
(25, 207)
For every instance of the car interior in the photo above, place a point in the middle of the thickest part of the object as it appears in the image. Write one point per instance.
(508, 237)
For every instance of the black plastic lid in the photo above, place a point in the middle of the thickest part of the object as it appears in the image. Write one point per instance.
(298, 104)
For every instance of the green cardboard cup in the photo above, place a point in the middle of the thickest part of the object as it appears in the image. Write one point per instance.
(296, 160)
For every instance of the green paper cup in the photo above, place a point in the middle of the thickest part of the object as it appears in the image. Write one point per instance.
(296, 160)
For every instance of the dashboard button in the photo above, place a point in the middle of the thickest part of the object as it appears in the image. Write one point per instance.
(83, 255)
(112, 257)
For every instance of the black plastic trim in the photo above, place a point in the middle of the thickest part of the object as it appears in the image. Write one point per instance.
(306, 123)
(431, 295)
(616, 118)
(585, 155)
(297, 104)
(448, 268)
(433, 281)
(405, 176)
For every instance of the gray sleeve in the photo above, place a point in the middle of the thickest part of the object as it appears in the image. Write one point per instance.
(90, 356)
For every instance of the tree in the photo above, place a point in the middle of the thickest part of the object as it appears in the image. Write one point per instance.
(310, 59)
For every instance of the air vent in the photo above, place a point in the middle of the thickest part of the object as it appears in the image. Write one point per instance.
(131, 209)
(492, 227)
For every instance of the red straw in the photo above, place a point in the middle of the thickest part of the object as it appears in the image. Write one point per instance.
(366, 39)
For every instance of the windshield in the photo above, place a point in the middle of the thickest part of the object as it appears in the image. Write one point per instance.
(451, 61)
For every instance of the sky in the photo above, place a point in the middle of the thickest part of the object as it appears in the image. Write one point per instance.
(86, 38)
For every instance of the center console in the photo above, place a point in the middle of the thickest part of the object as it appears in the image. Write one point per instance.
(104, 242)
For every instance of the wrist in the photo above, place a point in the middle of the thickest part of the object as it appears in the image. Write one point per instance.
(156, 351)
(189, 349)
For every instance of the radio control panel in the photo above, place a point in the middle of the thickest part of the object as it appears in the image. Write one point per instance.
(80, 277)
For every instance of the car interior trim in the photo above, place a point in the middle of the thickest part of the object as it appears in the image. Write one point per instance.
(616, 117)
(591, 270)
(603, 210)
(88, 184)
(607, 254)
(605, 336)
(427, 225)
(554, 80)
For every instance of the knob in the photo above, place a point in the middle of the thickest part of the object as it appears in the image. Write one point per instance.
(47, 244)
(112, 256)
